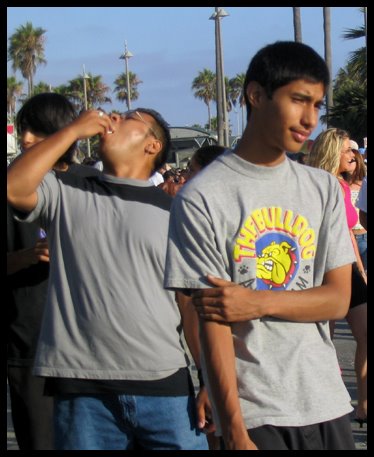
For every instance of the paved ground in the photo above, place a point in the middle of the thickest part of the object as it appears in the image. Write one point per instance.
(345, 347)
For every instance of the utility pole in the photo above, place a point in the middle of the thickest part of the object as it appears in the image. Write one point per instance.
(222, 123)
(126, 56)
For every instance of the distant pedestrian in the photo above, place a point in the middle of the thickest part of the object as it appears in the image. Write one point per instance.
(203, 157)
(332, 152)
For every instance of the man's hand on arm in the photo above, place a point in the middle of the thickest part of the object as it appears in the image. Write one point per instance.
(24, 258)
(231, 302)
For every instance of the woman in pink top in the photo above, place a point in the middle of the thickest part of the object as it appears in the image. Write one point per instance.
(332, 152)
(354, 178)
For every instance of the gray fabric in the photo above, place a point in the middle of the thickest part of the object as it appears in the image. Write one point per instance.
(222, 222)
(107, 316)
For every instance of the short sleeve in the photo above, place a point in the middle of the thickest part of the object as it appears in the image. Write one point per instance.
(48, 192)
(192, 248)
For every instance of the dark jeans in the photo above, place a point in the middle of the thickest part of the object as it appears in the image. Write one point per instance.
(362, 243)
(332, 435)
(32, 412)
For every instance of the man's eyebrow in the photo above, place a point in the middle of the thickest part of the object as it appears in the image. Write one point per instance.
(306, 97)
(302, 95)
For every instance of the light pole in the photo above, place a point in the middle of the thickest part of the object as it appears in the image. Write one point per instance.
(366, 32)
(222, 124)
(85, 77)
(126, 55)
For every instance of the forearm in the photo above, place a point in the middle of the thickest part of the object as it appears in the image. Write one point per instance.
(18, 260)
(28, 170)
(190, 324)
(329, 301)
(217, 344)
(230, 302)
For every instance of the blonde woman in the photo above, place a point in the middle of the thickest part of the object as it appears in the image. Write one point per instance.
(331, 151)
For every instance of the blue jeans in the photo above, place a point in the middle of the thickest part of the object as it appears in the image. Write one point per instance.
(119, 422)
(362, 243)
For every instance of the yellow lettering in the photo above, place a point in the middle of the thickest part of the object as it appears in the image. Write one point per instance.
(268, 215)
(239, 253)
(250, 226)
(259, 220)
(307, 238)
(309, 252)
(278, 219)
(246, 239)
(299, 225)
(287, 221)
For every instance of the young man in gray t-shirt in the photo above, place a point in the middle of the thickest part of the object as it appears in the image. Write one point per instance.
(261, 242)
(110, 342)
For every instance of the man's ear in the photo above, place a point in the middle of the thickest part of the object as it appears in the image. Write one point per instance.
(153, 146)
(255, 92)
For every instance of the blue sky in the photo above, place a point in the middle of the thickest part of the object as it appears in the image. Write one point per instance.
(170, 46)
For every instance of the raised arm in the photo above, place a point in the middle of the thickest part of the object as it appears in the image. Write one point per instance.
(28, 170)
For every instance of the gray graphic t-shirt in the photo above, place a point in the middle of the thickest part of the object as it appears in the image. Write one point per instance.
(267, 228)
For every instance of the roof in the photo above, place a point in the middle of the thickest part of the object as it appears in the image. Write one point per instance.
(190, 132)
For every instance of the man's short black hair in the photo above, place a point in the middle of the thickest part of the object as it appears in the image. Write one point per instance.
(163, 131)
(282, 62)
(46, 113)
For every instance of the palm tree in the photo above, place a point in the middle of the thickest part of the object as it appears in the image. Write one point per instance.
(14, 90)
(297, 23)
(358, 58)
(205, 89)
(96, 92)
(350, 105)
(121, 87)
(237, 93)
(42, 87)
(328, 59)
(350, 100)
(26, 51)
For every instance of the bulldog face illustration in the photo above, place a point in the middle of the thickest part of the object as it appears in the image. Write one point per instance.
(276, 263)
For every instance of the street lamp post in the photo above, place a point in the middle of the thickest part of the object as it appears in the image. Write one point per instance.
(366, 32)
(222, 124)
(126, 55)
(85, 77)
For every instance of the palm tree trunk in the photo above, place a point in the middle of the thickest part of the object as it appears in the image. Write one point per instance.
(209, 117)
(297, 23)
(29, 85)
(328, 58)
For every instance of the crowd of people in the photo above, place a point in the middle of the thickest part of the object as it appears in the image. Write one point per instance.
(250, 255)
